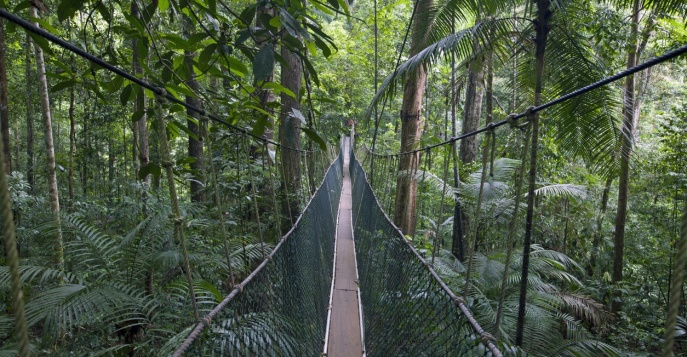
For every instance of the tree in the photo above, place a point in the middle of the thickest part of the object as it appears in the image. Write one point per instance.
(141, 125)
(290, 134)
(195, 141)
(411, 123)
(4, 103)
(58, 252)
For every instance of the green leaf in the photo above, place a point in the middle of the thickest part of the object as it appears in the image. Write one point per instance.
(67, 8)
(248, 14)
(278, 88)
(186, 160)
(41, 42)
(312, 134)
(104, 12)
(126, 94)
(323, 46)
(62, 85)
(263, 64)
(21, 6)
(150, 168)
(137, 115)
(344, 6)
(163, 5)
(184, 129)
(206, 53)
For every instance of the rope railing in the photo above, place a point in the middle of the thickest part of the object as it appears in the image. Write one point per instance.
(281, 307)
(512, 118)
(159, 91)
(408, 310)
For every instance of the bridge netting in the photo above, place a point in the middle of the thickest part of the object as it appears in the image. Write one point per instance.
(407, 309)
(281, 308)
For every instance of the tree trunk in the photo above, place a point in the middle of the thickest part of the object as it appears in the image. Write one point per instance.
(474, 92)
(290, 136)
(195, 145)
(405, 212)
(457, 244)
(141, 126)
(29, 117)
(72, 146)
(4, 103)
(58, 254)
(596, 242)
(266, 96)
(625, 153)
(542, 29)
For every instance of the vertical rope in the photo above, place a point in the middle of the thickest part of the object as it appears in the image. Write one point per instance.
(472, 246)
(176, 216)
(220, 209)
(286, 191)
(254, 196)
(676, 287)
(20, 328)
(273, 189)
(441, 208)
(510, 241)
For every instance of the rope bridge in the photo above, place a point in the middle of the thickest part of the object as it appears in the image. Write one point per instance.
(281, 308)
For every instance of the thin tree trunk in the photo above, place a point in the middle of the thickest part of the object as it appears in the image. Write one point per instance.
(405, 210)
(72, 146)
(266, 96)
(195, 145)
(58, 253)
(542, 29)
(290, 136)
(625, 153)
(29, 116)
(474, 93)
(596, 242)
(4, 103)
(458, 245)
(141, 126)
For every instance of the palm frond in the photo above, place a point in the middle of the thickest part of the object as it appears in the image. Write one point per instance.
(566, 190)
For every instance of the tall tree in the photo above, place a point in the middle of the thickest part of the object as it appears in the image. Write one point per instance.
(542, 29)
(29, 115)
(290, 133)
(4, 103)
(405, 215)
(141, 125)
(472, 112)
(627, 140)
(195, 144)
(58, 253)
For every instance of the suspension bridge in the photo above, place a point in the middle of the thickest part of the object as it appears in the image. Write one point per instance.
(344, 280)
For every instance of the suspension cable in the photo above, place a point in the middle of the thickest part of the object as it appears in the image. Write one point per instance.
(161, 92)
(576, 93)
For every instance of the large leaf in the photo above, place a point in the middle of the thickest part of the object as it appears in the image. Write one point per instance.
(263, 63)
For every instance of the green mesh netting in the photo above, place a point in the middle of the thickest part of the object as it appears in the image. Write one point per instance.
(407, 310)
(281, 308)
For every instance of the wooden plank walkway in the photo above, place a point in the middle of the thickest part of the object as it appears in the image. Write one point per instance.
(345, 337)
